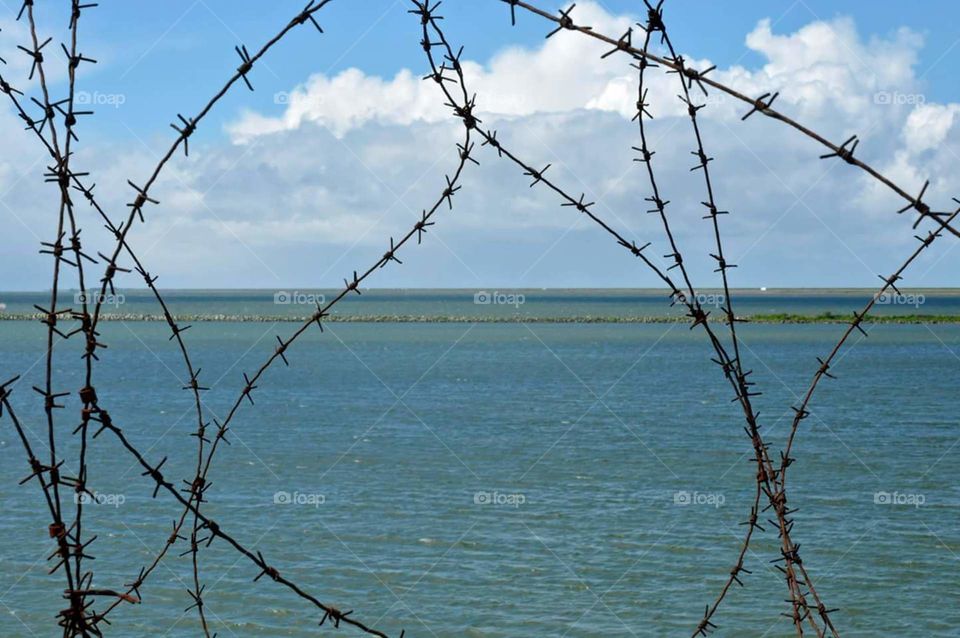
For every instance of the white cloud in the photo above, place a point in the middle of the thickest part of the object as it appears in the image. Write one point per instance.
(927, 126)
(349, 100)
(823, 68)
(563, 74)
(354, 158)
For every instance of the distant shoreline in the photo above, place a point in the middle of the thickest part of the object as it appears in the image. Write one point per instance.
(784, 318)
(769, 290)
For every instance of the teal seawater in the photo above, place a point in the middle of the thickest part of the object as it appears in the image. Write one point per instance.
(582, 436)
(492, 302)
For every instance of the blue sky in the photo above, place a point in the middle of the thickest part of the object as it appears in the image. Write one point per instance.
(272, 196)
(167, 56)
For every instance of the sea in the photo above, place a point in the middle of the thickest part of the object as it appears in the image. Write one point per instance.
(497, 463)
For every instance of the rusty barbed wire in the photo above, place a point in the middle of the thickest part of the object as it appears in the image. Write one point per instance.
(655, 24)
(185, 130)
(738, 379)
(81, 618)
(74, 620)
(89, 395)
(150, 281)
(350, 286)
(64, 176)
(78, 612)
(120, 232)
(733, 372)
(844, 151)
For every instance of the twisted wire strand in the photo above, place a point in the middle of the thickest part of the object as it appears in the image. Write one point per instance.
(351, 286)
(739, 383)
(656, 24)
(69, 540)
(65, 176)
(659, 204)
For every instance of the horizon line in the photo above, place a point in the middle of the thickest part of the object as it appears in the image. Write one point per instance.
(505, 287)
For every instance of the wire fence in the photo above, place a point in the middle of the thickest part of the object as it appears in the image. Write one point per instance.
(53, 122)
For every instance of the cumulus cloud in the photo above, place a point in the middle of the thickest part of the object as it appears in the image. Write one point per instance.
(353, 158)
(826, 66)
(928, 125)
(563, 74)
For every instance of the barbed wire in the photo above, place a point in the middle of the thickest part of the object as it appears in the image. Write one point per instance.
(796, 573)
(92, 411)
(92, 336)
(730, 364)
(70, 540)
(695, 311)
(200, 482)
(845, 151)
(655, 24)
(65, 176)
(80, 618)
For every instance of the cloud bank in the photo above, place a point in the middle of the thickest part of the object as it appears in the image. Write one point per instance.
(305, 196)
